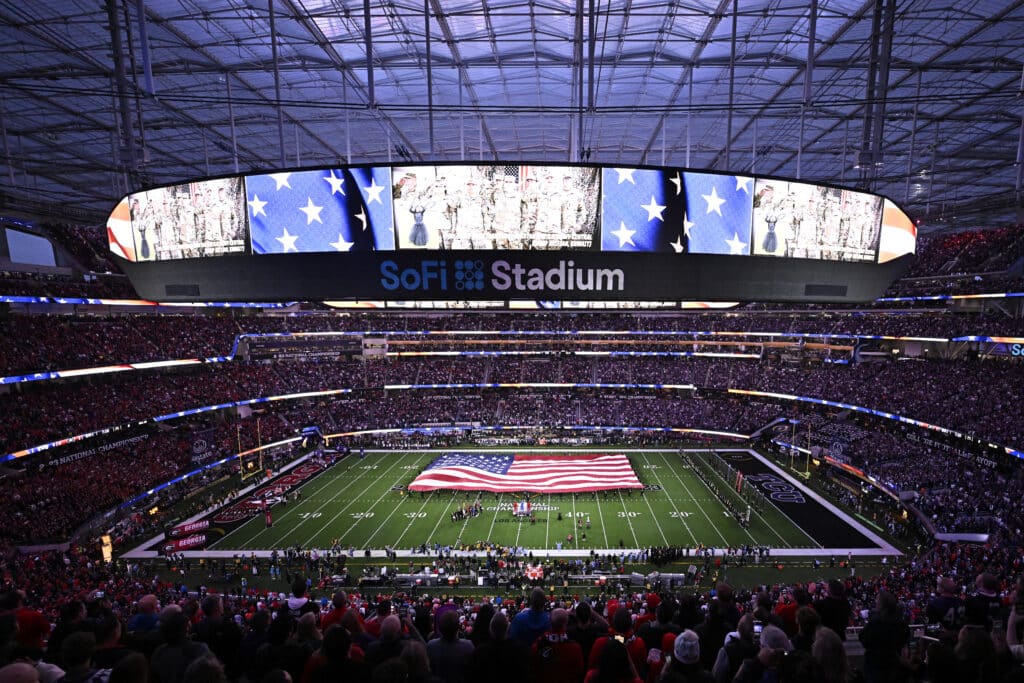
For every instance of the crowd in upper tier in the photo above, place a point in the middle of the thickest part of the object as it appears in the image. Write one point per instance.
(972, 396)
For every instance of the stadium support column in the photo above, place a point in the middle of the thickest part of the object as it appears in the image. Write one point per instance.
(277, 82)
(1020, 166)
(430, 74)
(231, 120)
(368, 37)
(732, 84)
(126, 153)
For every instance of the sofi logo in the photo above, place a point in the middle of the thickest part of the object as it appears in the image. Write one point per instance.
(469, 275)
(1017, 350)
(462, 275)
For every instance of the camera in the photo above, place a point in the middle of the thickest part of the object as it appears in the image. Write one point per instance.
(758, 627)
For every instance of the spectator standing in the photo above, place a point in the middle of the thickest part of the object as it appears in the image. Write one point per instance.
(554, 657)
(884, 637)
(834, 609)
(533, 621)
(449, 653)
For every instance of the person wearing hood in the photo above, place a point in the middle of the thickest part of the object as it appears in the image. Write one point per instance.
(739, 645)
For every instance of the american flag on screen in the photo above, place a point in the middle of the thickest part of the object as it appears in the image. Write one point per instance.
(671, 210)
(500, 473)
(341, 209)
(720, 210)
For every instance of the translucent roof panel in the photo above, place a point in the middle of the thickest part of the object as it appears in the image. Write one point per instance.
(924, 106)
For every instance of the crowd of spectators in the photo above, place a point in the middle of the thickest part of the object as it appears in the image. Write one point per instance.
(972, 391)
(947, 615)
(969, 251)
(37, 343)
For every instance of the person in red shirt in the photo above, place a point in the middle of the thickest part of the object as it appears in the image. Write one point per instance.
(339, 605)
(554, 658)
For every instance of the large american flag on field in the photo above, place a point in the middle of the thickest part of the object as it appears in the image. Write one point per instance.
(502, 473)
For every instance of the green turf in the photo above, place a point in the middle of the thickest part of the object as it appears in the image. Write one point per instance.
(355, 504)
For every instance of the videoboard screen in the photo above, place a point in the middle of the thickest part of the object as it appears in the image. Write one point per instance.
(336, 209)
(504, 231)
(496, 206)
(799, 220)
(190, 220)
(506, 206)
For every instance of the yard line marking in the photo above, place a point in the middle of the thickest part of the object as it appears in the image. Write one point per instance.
(672, 500)
(439, 518)
(408, 526)
(342, 510)
(625, 513)
(575, 520)
(604, 529)
(660, 530)
(497, 511)
(547, 526)
(704, 512)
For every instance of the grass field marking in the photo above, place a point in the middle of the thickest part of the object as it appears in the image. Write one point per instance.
(497, 511)
(547, 525)
(672, 500)
(655, 517)
(387, 519)
(519, 530)
(330, 476)
(465, 523)
(600, 514)
(574, 518)
(412, 520)
(346, 507)
(704, 512)
(771, 527)
(439, 518)
(629, 520)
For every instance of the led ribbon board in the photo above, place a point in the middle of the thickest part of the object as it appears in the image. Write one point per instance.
(508, 231)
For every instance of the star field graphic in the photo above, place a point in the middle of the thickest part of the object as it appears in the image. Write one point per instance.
(719, 211)
(642, 210)
(672, 211)
(342, 209)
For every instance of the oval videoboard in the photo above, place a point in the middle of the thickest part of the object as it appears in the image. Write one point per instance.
(509, 231)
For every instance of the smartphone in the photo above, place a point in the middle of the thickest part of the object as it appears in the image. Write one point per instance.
(758, 627)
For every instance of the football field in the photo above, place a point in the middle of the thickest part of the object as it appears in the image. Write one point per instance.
(364, 504)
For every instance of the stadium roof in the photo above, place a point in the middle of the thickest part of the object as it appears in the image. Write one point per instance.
(920, 100)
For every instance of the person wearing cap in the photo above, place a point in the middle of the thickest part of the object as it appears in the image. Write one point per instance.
(684, 664)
